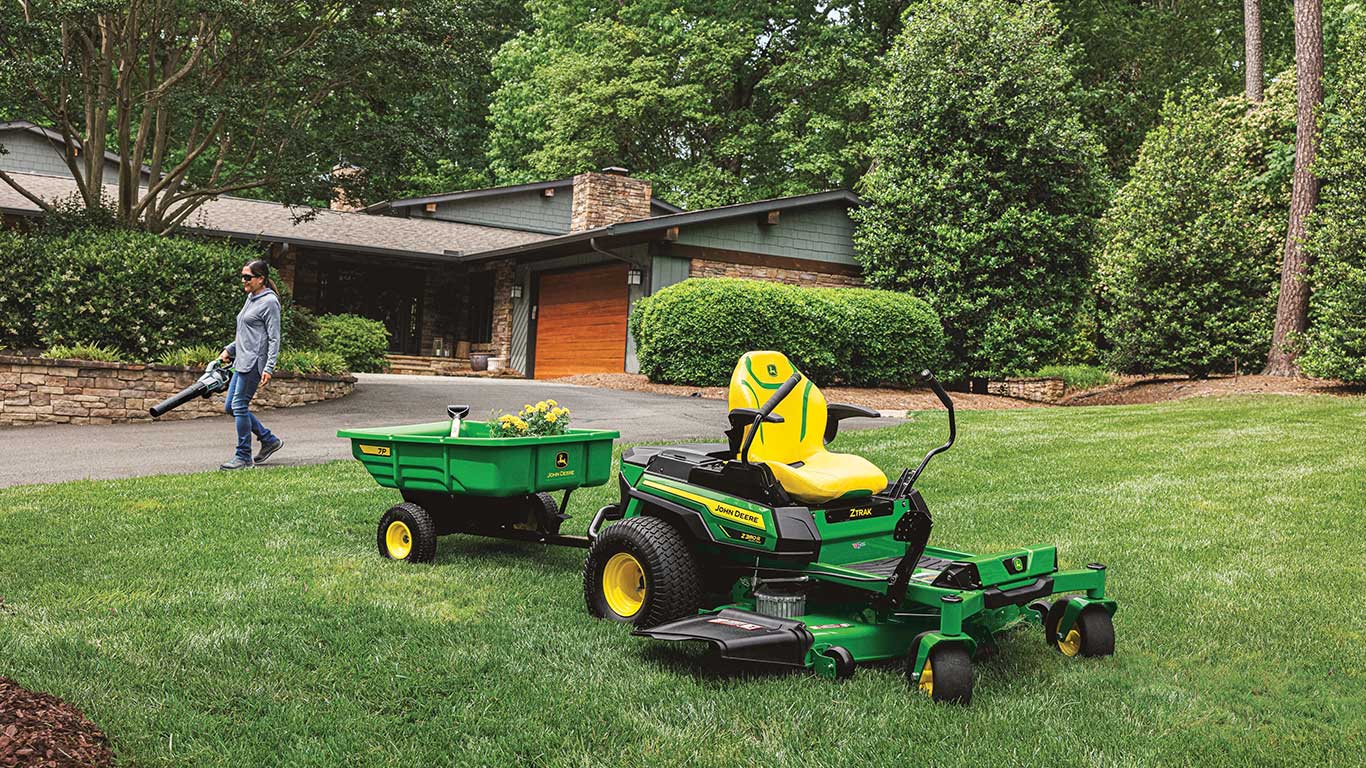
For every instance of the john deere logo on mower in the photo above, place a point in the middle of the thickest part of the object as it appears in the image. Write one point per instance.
(562, 459)
(772, 369)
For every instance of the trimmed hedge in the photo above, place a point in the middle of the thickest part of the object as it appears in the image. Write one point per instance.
(131, 291)
(694, 331)
(362, 342)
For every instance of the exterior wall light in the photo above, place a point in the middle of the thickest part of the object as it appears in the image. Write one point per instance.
(633, 277)
(516, 291)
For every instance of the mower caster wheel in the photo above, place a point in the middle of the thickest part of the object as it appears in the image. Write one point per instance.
(407, 532)
(947, 675)
(844, 661)
(1092, 635)
(641, 571)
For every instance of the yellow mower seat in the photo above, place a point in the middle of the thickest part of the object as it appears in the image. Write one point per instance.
(795, 449)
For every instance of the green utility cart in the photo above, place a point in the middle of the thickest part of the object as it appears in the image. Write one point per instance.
(477, 484)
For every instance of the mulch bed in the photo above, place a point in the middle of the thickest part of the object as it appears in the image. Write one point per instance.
(42, 731)
(882, 399)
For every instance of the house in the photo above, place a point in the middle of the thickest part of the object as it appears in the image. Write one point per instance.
(542, 276)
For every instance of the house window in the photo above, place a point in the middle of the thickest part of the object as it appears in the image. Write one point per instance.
(480, 320)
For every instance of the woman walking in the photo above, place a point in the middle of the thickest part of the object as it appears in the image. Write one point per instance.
(254, 353)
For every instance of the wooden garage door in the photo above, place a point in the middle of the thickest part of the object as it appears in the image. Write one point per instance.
(581, 322)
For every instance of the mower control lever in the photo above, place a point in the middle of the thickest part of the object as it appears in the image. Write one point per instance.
(765, 412)
(908, 478)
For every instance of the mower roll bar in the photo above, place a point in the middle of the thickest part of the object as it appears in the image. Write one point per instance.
(765, 412)
(908, 478)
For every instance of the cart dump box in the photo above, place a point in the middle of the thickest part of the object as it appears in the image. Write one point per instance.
(424, 457)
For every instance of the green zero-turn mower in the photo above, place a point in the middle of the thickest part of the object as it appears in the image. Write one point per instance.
(773, 549)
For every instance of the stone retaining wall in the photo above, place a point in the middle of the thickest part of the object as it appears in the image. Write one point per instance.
(1040, 390)
(41, 391)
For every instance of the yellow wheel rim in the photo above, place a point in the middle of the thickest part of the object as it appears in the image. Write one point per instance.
(1071, 645)
(927, 678)
(623, 584)
(398, 540)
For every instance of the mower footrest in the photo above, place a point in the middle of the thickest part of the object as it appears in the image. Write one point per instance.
(741, 636)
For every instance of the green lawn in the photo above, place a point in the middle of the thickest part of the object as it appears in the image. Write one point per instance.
(246, 620)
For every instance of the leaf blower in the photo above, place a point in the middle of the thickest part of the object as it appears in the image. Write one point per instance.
(214, 380)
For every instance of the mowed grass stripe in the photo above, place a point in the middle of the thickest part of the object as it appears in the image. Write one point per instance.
(246, 619)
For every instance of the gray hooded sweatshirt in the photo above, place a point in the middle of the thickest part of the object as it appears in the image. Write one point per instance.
(257, 346)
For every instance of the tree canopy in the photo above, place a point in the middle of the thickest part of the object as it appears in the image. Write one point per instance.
(240, 96)
(717, 102)
(985, 185)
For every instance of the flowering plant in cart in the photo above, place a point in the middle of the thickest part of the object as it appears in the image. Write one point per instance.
(534, 420)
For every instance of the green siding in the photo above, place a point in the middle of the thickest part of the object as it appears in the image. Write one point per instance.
(667, 270)
(819, 234)
(529, 211)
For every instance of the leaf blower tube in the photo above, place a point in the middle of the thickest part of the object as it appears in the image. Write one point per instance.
(215, 379)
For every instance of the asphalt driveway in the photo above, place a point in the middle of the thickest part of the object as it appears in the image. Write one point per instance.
(70, 452)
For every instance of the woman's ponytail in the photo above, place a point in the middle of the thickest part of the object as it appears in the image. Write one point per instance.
(260, 268)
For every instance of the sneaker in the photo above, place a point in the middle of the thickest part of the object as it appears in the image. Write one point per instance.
(269, 450)
(236, 464)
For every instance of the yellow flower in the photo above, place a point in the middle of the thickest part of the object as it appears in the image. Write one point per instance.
(551, 417)
(542, 407)
(551, 403)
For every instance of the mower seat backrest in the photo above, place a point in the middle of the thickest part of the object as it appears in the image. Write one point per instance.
(795, 449)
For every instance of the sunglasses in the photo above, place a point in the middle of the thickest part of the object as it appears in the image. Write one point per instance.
(247, 276)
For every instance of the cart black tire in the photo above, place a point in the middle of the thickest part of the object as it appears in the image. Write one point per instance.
(670, 585)
(844, 661)
(546, 513)
(947, 675)
(420, 532)
(1095, 632)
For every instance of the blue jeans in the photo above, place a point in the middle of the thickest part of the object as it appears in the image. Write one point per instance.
(241, 389)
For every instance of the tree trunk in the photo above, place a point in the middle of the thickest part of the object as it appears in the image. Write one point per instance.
(1292, 310)
(1252, 49)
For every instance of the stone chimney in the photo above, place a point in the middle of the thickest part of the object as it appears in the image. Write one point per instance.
(608, 197)
(341, 201)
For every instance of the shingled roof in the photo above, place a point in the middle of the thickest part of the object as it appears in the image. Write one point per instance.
(242, 218)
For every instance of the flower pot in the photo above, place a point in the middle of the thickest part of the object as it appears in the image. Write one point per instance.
(479, 362)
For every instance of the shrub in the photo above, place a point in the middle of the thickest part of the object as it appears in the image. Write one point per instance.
(310, 361)
(694, 331)
(83, 352)
(362, 342)
(197, 356)
(21, 263)
(135, 292)
(985, 186)
(1188, 274)
(1075, 376)
(1336, 343)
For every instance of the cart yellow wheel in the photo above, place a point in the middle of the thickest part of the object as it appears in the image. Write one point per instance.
(623, 584)
(398, 540)
(406, 532)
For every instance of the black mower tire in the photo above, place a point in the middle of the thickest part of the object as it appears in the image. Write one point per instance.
(1095, 632)
(673, 587)
(421, 533)
(844, 661)
(949, 672)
